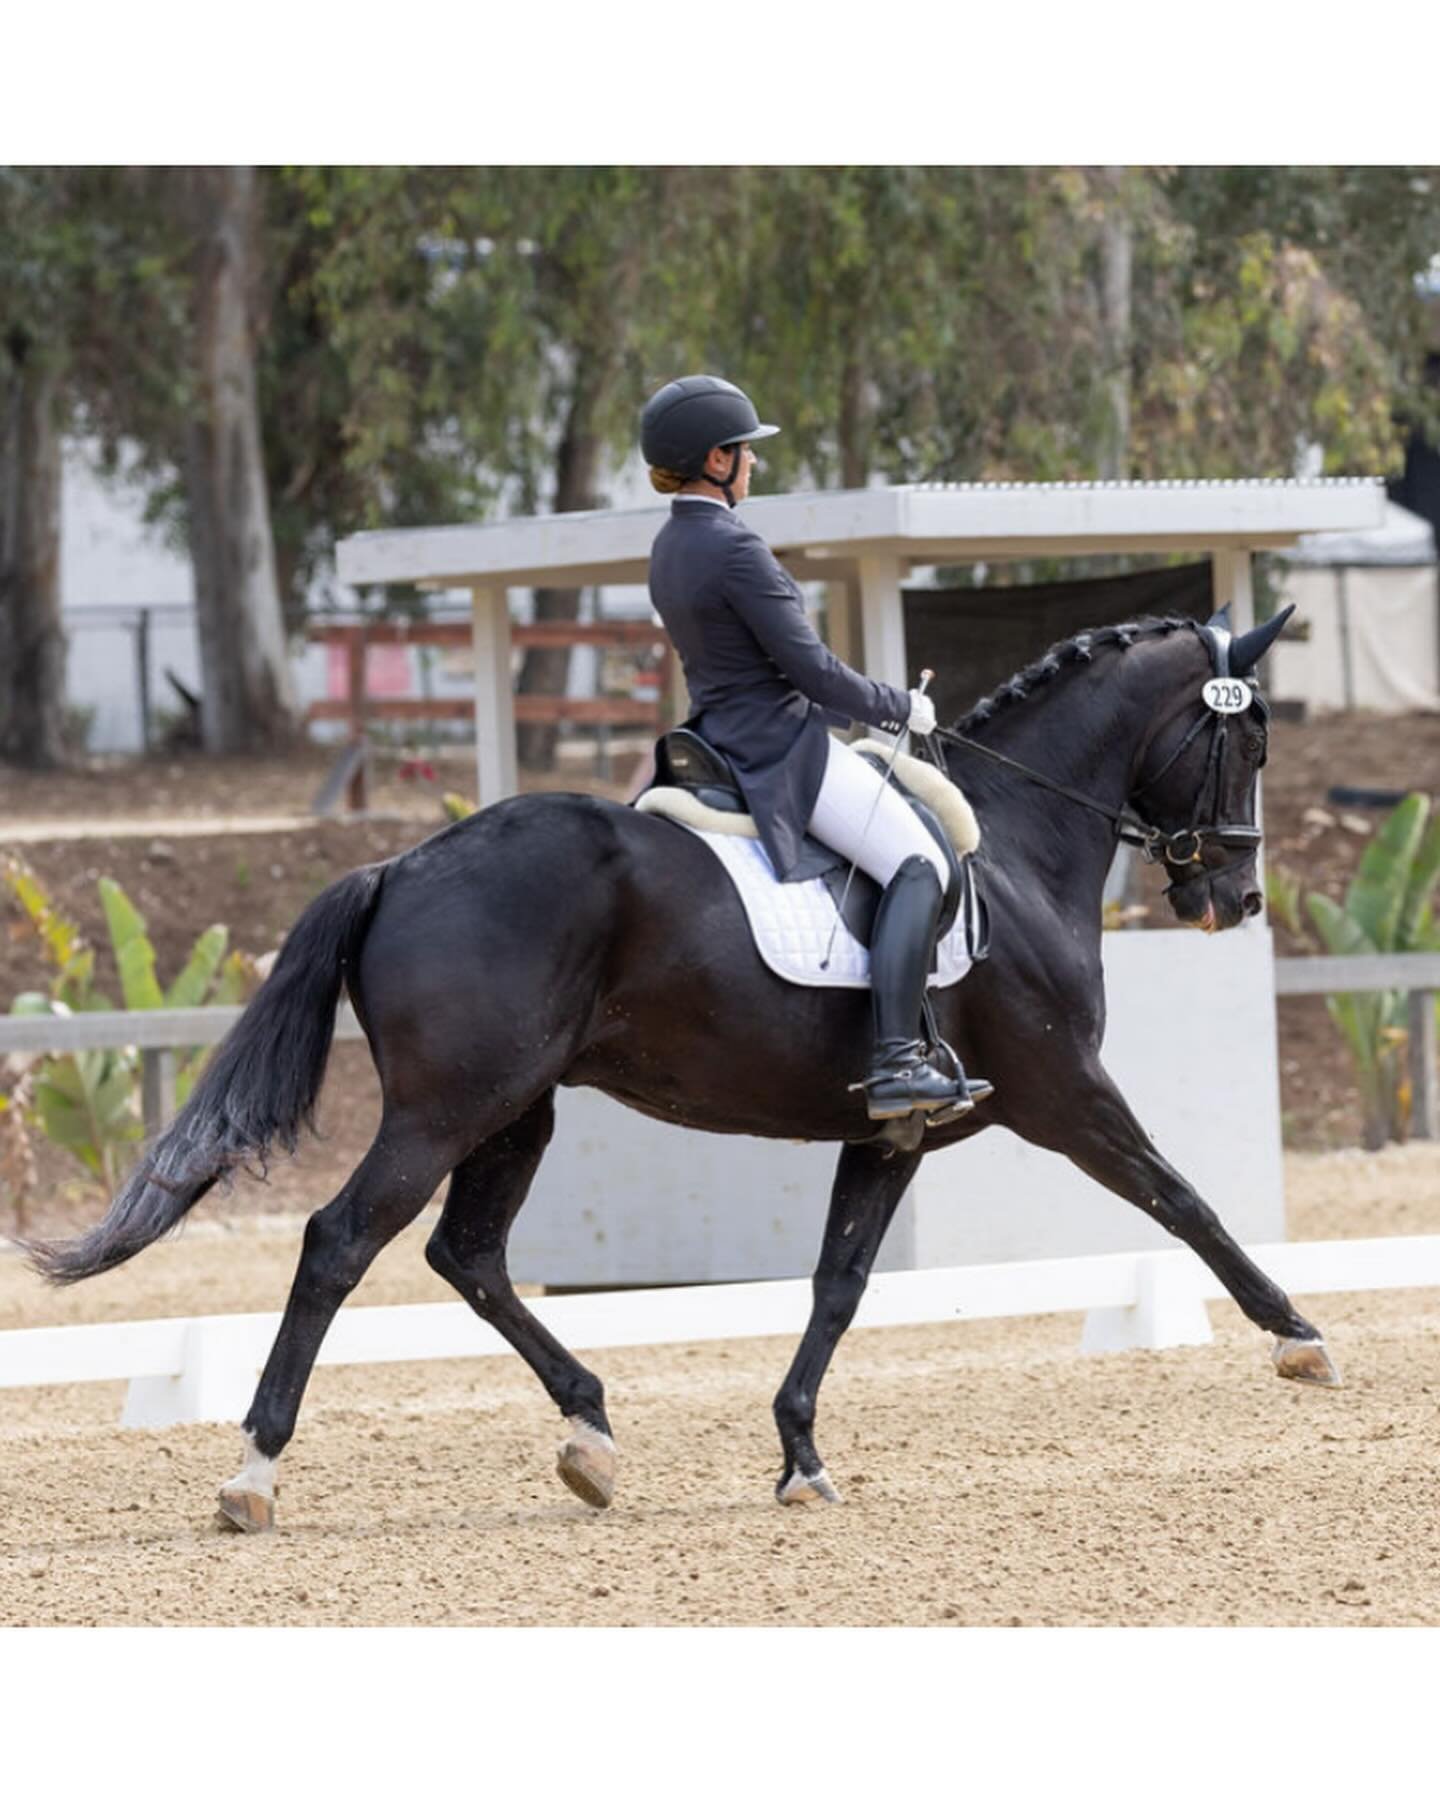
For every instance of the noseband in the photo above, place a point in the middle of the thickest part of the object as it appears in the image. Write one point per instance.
(1177, 850)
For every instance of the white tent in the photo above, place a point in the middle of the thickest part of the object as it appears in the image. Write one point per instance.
(1403, 540)
(1370, 605)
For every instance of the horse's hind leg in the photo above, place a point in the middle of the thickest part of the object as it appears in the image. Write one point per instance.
(1092, 1125)
(487, 1190)
(396, 1177)
(868, 1187)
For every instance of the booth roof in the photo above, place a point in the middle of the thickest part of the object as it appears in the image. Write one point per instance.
(920, 524)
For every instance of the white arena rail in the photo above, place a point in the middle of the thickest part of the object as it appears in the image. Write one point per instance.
(182, 1370)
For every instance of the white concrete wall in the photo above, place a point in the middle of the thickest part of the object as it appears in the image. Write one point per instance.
(110, 558)
(1191, 1042)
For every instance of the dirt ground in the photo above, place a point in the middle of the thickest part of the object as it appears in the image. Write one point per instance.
(991, 1476)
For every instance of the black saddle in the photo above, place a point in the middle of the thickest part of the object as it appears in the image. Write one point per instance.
(683, 759)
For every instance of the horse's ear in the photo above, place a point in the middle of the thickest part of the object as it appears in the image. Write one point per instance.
(1246, 650)
(1219, 621)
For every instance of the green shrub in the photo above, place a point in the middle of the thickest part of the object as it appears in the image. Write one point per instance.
(1388, 907)
(89, 1101)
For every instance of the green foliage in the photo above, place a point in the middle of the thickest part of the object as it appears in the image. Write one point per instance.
(88, 1102)
(134, 953)
(1388, 907)
(1282, 897)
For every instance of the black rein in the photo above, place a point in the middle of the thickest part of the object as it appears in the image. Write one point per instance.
(1176, 849)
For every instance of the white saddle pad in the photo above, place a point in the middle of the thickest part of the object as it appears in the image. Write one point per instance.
(792, 921)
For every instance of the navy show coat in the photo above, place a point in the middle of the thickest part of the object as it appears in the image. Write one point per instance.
(763, 686)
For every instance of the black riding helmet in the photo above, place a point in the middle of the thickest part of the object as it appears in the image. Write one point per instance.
(689, 418)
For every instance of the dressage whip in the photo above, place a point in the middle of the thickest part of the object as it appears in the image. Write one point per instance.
(926, 677)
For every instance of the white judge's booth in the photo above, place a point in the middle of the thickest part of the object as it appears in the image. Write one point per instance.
(621, 1199)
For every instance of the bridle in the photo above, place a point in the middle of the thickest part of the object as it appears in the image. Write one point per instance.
(1178, 850)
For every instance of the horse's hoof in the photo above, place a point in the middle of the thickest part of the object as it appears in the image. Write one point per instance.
(1305, 1359)
(801, 1487)
(586, 1463)
(244, 1510)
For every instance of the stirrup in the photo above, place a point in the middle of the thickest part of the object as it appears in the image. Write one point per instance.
(976, 1091)
(904, 1066)
(973, 1091)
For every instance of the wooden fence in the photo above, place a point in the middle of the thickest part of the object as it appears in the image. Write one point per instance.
(359, 708)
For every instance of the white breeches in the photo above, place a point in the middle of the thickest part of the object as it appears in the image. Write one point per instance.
(847, 797)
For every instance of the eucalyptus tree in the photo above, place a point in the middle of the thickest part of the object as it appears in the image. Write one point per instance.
(248, 702)
(497, 329)
(38, 251)
(829, 301)
(580, 302)
(132, 320)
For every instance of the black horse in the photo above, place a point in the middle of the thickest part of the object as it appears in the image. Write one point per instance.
(559, 939)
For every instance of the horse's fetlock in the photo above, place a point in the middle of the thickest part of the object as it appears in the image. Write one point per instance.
(794, 1411)
(585, 1399)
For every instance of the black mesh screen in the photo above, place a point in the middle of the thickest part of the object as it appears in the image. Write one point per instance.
(975, 638)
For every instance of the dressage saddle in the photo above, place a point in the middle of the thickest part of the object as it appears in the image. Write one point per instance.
(684, 760)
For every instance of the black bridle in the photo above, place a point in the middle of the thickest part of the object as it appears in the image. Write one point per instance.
(1177, 850)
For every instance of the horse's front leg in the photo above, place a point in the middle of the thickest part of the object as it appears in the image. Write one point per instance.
(868, 1187)
(1089, 1121)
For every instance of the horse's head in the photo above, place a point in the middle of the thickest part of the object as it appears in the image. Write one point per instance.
(1198, 772)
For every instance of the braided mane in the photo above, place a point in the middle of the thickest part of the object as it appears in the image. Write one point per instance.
(1079, 649)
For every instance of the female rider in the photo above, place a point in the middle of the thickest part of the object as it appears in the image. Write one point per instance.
(765, 689)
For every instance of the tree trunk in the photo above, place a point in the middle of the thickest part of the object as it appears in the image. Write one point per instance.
(857, 422)
(32, 638)
(1116, 259)
(576, 470)
(248, 701)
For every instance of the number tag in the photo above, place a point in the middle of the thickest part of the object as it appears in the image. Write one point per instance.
(1224, 694)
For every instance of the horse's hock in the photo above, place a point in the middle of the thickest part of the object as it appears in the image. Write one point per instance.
(1191, 1018)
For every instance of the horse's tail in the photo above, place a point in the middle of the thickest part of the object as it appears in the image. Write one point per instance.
(259, 1088)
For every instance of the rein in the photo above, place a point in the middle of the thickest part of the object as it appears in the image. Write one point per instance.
(1176, 849)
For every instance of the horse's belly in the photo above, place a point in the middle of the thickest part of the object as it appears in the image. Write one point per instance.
(761, 1081)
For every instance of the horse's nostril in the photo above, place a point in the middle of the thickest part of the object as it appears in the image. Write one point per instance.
(1251, 903)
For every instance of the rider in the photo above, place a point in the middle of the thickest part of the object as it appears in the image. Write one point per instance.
(765, 689)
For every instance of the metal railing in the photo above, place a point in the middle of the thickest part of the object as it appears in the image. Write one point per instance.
(158, 1035)
(161, 1033)
(1415, 973)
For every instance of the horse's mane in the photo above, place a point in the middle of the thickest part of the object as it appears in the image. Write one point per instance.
(1078, 649)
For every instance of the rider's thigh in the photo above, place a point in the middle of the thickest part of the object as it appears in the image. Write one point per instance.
(853, 788)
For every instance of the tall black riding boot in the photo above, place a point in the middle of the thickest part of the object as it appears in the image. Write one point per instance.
(902, 942)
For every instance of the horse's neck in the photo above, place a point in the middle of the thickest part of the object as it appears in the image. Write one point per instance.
(1087, 730)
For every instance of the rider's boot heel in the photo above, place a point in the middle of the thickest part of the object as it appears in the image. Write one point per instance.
(901, 1080)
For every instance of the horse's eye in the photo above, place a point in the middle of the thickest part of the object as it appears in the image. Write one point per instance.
(1253, 750)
